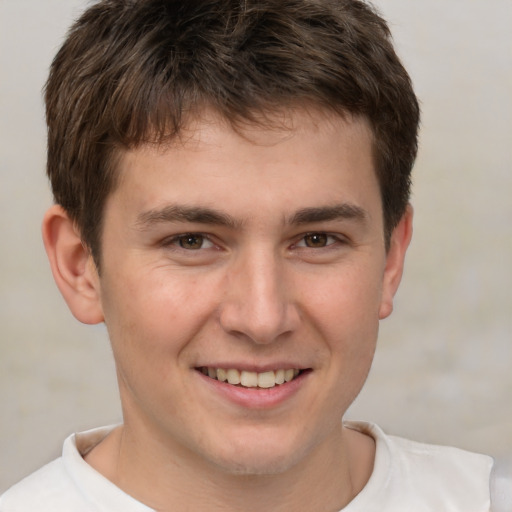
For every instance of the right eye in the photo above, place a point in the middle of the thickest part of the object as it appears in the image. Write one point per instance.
(190, 241)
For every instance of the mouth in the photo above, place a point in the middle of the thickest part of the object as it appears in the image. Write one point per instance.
(247, 379)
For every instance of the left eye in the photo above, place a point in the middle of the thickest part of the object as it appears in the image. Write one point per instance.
(192, 241)
(316, 240)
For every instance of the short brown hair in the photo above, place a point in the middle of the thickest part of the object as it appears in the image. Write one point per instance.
(132, 71)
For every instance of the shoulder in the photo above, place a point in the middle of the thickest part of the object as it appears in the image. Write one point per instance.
(64, 485)
(48, 489)
(427, 477)
(445, 465)
(501, 485)
(447, 478)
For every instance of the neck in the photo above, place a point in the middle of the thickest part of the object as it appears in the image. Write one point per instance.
(171, 478)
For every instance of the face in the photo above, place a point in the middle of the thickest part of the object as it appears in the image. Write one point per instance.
(256, 257)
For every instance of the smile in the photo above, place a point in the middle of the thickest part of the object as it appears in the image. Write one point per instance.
(243, 378)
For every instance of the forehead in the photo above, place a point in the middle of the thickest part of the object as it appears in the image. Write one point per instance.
(282, 159)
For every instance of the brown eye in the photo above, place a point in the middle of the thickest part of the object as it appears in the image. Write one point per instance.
(316, 240)
(192, 242)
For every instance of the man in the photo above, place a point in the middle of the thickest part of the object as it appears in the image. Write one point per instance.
(231, 183)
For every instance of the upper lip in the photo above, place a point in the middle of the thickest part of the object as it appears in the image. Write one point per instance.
(258, 368)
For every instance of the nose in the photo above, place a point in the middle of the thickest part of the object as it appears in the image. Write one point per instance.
(259, 301)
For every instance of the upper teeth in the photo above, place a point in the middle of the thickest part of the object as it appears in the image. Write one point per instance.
(251, 379)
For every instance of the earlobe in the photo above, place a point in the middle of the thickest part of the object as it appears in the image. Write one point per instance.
(399, 243)
(72, 266)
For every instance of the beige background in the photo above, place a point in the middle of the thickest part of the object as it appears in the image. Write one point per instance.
(442, 370)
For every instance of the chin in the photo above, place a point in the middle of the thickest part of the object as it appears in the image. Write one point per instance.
(258, 465)
(258, 458)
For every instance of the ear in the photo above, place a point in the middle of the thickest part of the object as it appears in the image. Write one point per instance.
(72, 266)
(400, 239)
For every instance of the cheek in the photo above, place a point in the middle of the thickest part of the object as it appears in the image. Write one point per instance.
(152, 313)
(345, 304)
(152, 322)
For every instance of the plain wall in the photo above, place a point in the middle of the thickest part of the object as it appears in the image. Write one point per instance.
(442, 369)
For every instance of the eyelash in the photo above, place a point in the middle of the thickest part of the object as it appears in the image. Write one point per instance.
(177, 241)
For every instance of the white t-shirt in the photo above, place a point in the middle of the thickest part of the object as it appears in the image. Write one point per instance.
(407, 477)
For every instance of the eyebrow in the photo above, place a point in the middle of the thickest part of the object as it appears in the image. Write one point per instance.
(344, 211)
(182, 213)
(210, 216)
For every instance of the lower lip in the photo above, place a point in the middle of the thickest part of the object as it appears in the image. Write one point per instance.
(256, 398)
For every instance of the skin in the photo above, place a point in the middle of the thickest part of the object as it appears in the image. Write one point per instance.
(288, 270)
